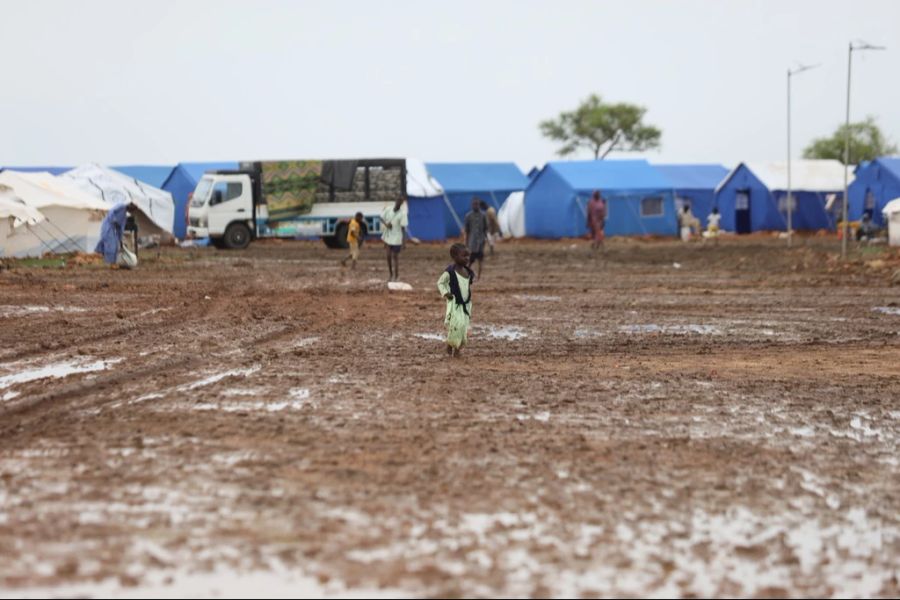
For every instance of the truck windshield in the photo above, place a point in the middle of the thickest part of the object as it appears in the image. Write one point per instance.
(201, 194)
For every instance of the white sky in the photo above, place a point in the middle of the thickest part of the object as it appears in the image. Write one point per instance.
(159, 82)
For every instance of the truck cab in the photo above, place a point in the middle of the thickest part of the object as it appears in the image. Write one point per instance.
(223, 209)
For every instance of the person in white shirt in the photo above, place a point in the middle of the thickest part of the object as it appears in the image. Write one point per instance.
(712, 225)
(394, 221)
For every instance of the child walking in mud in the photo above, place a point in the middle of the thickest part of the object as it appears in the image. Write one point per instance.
(455, 285)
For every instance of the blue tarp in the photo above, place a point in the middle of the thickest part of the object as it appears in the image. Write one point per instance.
(877, 183)
(111, 231)
(695, 185)
(639, 199)
(490, 181)
(426, 218)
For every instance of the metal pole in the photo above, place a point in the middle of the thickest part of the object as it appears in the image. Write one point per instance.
(844, 225)
(790, 230)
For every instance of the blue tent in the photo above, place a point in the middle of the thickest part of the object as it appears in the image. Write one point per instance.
(490, 181)
(639, 199)
(695, 185)
(877, 183)
(182, 181)
(753, 197)
(51, 170)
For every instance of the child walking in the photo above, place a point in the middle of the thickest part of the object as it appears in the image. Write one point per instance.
(353, 235)
(455, 285)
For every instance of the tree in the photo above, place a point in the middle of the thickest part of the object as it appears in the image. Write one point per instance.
(602, 128)
(866, 143)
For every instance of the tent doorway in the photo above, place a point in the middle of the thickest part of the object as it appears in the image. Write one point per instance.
(742, 223)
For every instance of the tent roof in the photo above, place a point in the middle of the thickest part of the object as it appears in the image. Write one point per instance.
(807, 175)
(113, 187)
(39, 190)
(694, 176)
(195, 170)
(478, 176)
(12, 206)
(610, 174)
(152, 174)
(51, 170)
(891, 164)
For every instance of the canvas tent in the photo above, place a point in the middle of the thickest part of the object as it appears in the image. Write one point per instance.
(16, 218)
(694, 185)
(51, 170)
(753, 197)
(876, 183)
(72, 218)
(891, 215)
(639, 198)
(489, 181)
(512, 215)
(425, 202)
(156, 210)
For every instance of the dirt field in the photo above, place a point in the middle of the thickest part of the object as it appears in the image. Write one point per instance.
(666, 420)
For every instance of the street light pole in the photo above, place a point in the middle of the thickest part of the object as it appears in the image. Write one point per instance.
(790, 199)
(845, 226)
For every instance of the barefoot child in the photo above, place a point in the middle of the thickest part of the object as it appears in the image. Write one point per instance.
(455, 285)
(353, 235)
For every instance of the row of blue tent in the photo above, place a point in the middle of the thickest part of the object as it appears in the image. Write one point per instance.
(642, 198)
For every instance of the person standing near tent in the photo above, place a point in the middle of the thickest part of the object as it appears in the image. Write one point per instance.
(687, 222)
(455, 285)
(475, 231)
(712, 225)
(394, 221)
(493, 233)
(596, 219)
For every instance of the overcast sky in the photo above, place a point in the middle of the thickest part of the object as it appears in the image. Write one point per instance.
(159, 82)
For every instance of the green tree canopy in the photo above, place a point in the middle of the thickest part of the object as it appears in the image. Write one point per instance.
(602, 128)
(866, 143)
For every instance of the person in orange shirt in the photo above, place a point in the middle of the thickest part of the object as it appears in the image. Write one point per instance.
(353, 236)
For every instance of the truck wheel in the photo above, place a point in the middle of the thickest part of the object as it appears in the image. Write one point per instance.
(330, 241)
(237, 236)
(340, 236)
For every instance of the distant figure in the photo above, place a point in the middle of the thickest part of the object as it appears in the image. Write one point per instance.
(455, 285)
(493, 233)
(354, 231)
(475, 231)
(596, 220)
(866, 230)
(712, 225)
(687, 222)
(395, 222)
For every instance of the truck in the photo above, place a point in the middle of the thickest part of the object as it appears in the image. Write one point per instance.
(294, 199)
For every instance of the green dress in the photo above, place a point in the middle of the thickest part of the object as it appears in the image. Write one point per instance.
(456, 319)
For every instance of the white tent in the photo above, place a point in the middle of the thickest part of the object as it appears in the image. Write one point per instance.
(419, 183)
(156, 209)
(891, 214)
(72, 219)
(512, 215)
(16, 218)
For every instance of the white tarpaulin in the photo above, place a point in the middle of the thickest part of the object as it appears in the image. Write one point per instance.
(419, 184)
(891, 214)
(16, 218)
(72, 219)
(512, 215)
(807, 175)
(113, 188)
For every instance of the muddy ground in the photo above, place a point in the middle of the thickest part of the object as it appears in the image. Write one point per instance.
(663, 420)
